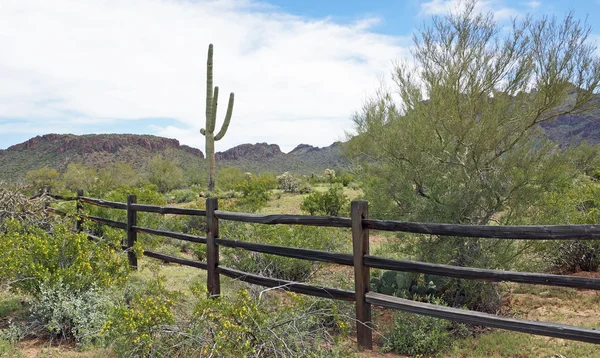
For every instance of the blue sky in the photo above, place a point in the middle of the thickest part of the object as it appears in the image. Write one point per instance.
(300, 69)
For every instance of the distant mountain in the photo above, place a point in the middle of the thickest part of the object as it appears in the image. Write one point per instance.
(263, 157)
(95, 150)
(101, 150)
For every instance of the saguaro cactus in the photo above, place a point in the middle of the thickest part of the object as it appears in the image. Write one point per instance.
(212, 99)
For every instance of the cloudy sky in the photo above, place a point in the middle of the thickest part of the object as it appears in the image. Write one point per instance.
(299, 69)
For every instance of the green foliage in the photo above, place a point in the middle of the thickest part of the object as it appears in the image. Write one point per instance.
(577, 202)
(78, 176)
(463, 145)
(181, 196)
(34, 256)
(343, 178)
(255, 191)
(229, 177)
(41, 178)
(135, 326)
(115, 176)
(212, 98)
(71, 314)
(331, 203)
(165, 174)
(306, 237)
(419, 335)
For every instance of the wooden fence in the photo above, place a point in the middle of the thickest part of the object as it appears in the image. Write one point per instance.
(361, 260)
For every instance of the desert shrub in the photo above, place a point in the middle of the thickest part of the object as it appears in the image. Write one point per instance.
(420, 335)
(239, 325)
(136, 326)
(290, 183)
(255, 192)
(324, 239)
(181, 196)
(229, 177)
(42, 178)
(331, 203)
(165, 174)
(33, 256)
(572, 256)
(69, 314)
(344, 179)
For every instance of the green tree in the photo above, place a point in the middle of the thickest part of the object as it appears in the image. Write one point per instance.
(78, 176)
(255, 191)
(44, 177)
(165, 174)
(463, 144)
(229, 177)
(113, 177)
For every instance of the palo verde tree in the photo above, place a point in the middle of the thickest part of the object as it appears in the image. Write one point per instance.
(212, 99)
(462, 145)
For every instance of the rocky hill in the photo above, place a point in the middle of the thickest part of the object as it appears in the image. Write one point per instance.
(96, 150)
(101, 150)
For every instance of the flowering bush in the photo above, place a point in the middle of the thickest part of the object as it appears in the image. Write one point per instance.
(32, 256)
(136, 326)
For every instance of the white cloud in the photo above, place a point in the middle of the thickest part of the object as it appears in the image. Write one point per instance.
(533, 4)
(496, 7)
(295, 80)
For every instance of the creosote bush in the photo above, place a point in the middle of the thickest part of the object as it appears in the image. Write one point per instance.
(331, 203)
(419, 335)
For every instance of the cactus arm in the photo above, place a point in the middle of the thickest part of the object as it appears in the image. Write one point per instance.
(210, 126)
(209, 84)
(227, 118)
(202, 131)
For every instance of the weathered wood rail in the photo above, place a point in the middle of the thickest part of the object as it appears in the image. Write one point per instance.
(361, 260)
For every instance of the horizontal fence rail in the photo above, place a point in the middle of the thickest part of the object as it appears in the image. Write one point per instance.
(103, 203)
(524, 232)
(323, 221)
(360, 259)
(479, 318)
(325, 292)
(482, 274)
(173, 235)
(167, 210)
(305, 254)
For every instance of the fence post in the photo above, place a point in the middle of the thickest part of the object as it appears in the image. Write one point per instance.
(212, 250)
(79, 210)
(131, 234)
(360, 247)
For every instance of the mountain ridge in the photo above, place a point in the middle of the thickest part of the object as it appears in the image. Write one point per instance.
(101, 150)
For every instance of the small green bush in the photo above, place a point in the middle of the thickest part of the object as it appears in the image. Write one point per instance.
(181, 196)
(255, 192)
(331, 203)
(420, 335)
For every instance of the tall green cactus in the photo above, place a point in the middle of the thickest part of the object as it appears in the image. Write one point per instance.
(211, 118)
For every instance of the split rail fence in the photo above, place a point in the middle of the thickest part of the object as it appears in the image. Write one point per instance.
(361, 260)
